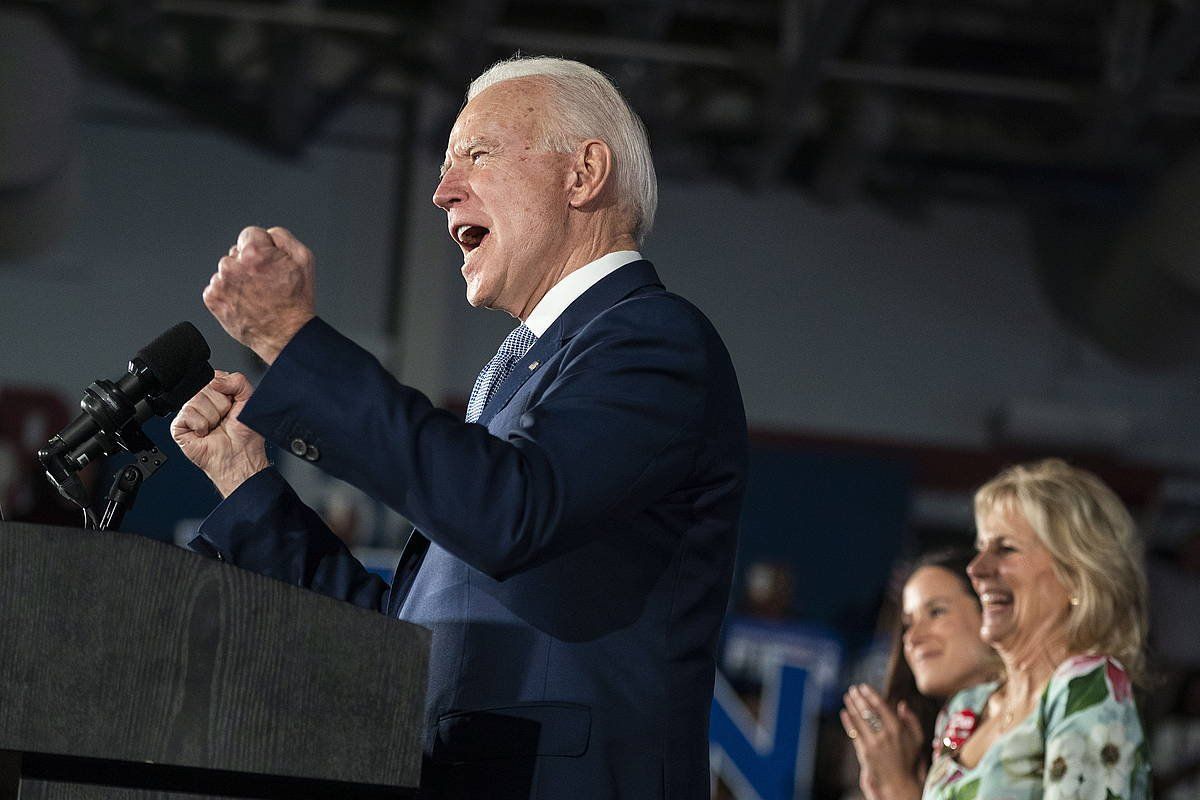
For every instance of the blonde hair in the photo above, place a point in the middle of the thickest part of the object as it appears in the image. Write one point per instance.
(1096, 551)
(587, 105)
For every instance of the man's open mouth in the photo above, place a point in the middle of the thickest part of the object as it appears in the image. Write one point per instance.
(470, 236)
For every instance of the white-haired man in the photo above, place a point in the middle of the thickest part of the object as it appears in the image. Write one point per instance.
(575, 536)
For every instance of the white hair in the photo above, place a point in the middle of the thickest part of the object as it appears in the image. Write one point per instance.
(586, 105)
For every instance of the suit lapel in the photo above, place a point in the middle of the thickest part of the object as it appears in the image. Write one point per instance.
(602, 295)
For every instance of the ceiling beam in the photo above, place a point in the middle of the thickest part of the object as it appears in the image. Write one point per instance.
(1124, 107)
(795, 75)
(860, 134)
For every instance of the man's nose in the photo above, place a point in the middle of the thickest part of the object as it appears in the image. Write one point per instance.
(450, 190)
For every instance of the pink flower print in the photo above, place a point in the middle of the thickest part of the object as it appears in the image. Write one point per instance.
(1118, 679)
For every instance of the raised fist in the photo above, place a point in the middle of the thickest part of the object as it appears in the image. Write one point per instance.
(263, 290)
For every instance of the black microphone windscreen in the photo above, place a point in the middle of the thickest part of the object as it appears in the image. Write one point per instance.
(172, 400)
(170, 356)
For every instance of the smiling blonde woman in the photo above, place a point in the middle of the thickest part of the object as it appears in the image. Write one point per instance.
(1059, 575)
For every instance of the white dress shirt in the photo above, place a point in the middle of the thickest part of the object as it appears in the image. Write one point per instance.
(568, 290)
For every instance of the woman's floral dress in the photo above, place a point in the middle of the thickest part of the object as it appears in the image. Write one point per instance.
(1083, 741)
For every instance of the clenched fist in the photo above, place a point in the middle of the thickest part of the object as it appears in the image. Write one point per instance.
(262, 292)
(209, 434)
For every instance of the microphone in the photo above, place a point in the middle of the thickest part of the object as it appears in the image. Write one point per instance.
(160, 378)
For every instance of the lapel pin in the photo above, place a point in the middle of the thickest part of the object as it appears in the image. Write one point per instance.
(534, 365)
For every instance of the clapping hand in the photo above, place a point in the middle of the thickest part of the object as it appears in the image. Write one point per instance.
(887, 743)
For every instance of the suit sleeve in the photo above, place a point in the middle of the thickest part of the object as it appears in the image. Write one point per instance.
(614, 432)
(264, 526)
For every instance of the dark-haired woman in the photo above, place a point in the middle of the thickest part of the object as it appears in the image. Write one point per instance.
(936, 653)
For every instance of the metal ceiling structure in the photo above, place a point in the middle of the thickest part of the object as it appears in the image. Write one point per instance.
(891, 99)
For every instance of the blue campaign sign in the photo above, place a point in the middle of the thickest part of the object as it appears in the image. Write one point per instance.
(768, 759)
(753, 648)
(795, 668)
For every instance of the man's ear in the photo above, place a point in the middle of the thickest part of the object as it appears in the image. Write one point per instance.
(592, 171)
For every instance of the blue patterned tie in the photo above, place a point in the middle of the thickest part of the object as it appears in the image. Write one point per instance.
(515, 345)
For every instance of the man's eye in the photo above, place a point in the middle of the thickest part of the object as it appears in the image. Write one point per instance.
(476, 155)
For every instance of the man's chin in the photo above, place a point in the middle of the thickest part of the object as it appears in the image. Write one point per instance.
(481, 294)
(484, 295)
(476, 295)
(479, 299)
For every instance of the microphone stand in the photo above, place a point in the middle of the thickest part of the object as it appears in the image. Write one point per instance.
(128, 479)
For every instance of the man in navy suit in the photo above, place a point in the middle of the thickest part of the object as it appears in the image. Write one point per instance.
(575, 536)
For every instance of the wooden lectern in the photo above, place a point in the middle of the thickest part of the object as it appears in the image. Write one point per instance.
(133, 669)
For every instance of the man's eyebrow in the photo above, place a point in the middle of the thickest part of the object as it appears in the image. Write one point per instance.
(464, 147)
(467, 145)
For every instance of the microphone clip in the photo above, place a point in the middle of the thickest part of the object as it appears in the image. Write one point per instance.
(128, 479)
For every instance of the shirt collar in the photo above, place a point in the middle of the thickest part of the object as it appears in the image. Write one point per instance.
(568, 290)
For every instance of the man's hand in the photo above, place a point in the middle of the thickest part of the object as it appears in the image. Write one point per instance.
(262, 292)
(209, 434)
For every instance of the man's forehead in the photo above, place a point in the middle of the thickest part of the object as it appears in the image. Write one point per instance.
(512, 103)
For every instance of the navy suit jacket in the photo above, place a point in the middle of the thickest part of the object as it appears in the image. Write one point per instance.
(573, 551)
